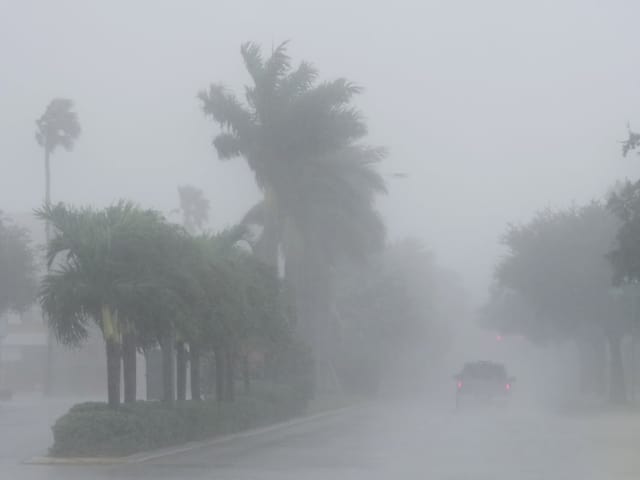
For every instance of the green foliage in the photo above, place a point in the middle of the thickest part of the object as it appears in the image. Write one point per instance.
(132, 273)
(625, 257)
(17, 270)
(99, 258)
(93, 429)
(299, 138)
(556, 267)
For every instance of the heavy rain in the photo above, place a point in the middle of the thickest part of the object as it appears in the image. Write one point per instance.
(284, 239)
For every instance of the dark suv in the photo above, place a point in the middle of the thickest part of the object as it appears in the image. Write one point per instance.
(483, 380)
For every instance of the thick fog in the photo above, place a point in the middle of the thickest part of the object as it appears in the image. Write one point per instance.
(492, 109)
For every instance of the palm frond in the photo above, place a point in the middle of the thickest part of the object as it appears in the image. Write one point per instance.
(58, 126)
(252, 56)
(228, 145)
(225, 109)
(276, 66)
(298, 81)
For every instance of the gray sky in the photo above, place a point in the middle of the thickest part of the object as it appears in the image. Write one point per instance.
(494, 108)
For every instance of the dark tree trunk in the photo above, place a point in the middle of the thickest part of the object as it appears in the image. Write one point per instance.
(129, 364)
(168, 377)
(113, 372)
(195, 372)
(220, 372)
(266, 248)
(246, 376)
(48, 368)
(315, 315)
(181, 371)
(230, 377)
(599, 367)
(617, 390)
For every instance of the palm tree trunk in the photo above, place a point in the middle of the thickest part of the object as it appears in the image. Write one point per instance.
(246, 373)
(266, 248)
(48, 373)
(113, 372)
(181, 371)
(113, 341)
(168, 377)
(129, 363)
(313, 304)
(229, 377)
(617, 393)
(220, 372)
(194, 353)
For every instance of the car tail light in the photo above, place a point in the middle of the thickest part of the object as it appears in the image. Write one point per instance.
(459, 385)
(508, 386)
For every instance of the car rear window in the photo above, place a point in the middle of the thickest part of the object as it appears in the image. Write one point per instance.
(484, 371)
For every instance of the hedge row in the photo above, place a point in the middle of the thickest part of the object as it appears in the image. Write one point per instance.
(93, 429)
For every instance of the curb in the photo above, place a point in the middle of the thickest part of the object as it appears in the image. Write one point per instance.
(165, 452)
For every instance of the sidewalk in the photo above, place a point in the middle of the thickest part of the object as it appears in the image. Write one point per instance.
(25, 425)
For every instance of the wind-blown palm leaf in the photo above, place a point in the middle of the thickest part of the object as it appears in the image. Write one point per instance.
(58, 126)
(225, 109)
(298, 82)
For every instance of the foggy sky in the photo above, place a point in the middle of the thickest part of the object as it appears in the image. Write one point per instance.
(494, 109)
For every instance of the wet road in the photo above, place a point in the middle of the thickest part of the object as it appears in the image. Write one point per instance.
(397, 441)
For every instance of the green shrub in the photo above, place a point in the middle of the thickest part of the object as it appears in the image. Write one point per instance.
(94, 429)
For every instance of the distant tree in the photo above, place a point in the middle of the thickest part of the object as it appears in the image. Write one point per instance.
(557, 266)
(631, 143)
(17, 269)
(194, 207)
(394, 314)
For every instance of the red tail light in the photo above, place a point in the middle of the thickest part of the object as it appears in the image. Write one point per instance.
(508, 386)
(459, 385)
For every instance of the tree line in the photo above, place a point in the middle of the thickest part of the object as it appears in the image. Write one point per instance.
(571, 275)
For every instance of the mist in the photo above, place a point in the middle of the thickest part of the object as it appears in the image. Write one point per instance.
(502, 125)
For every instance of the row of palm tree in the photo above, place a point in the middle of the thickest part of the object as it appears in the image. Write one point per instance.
(145, 282)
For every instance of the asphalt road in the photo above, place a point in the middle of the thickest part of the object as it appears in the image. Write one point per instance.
(400, 440)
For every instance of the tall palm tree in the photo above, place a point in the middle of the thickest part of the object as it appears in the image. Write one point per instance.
(194, 207)
(300, 139)
(57, 127)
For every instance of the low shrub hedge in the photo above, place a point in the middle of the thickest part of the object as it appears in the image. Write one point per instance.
(94, 429)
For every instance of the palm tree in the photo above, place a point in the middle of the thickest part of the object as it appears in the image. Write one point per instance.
(299, 137)
(57, 127)
(194, 207)
(97, 276)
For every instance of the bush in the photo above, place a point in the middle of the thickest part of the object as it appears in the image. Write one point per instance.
(94, 429)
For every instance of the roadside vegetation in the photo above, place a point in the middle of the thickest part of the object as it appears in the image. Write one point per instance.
(572, 275)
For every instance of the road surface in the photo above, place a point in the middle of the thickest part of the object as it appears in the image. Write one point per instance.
(401, 440)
